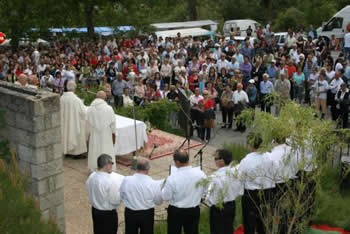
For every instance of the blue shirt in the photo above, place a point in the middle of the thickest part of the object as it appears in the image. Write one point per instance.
(271, 71)
(266, 87)
(251, 92)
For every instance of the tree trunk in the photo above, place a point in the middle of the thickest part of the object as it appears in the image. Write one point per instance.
(269, 11)
(192, 10)
(89, 13)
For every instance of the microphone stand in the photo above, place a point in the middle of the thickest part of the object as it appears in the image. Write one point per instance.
(200, 153)
(154, 147)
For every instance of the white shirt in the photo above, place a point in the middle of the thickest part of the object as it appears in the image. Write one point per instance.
(256, 171)
(347, 40)
(102, 189)
(224, 184)
(181, 188)
(140, 192)
(222, 64)
(320, 86)
(194, 100)
(240, 97)
(284, 163)
(335, 85)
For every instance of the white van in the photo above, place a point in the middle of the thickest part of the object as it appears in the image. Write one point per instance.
(336, 25)
(242, 24)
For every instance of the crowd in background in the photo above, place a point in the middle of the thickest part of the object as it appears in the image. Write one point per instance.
(146, 69)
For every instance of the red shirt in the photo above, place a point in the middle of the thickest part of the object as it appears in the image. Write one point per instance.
(208, 104)
(126, 69)
(291, 70)
(193, 83)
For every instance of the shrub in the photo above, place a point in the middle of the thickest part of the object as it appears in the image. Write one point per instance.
(19, 211)
(239, 150)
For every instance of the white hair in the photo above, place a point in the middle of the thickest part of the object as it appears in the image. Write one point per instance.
(71, 85)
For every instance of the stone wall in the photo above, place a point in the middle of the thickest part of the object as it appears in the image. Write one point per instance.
(33, 130)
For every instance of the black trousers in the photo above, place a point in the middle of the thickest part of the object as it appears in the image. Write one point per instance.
(331, 101)
(264, 105)
(139, 221)
(251, 214)
(227, 113)
(104, 221)
(118, 101)
(221, 220)
(196, 118)
(186, 218)
(206, 133)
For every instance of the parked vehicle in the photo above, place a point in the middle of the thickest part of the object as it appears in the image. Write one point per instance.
(242, 24)
(336, 25)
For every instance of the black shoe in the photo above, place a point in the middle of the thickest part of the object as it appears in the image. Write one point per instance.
(229, 126)
(223, 126)
(237, 130)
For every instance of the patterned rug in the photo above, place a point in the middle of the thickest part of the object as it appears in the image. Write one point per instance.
(162, 143)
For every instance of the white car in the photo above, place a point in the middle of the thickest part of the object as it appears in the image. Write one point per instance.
(26, 41)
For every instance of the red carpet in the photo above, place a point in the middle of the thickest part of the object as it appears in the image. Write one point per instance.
(166, 145)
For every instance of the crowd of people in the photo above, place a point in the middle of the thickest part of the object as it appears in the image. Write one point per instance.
(231, 73)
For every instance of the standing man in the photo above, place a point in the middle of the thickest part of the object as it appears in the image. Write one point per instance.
(196, 114)
(118, 86)
(266, 88)
(224, 187)
(255, 171)
(184, 196)
(104, 196)
(240, 101)
(347, 43)
(282, 87)
(140, 194)
(102, 129)
(73, 122)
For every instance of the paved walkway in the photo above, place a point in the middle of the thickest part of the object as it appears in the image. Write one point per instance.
(77, 208)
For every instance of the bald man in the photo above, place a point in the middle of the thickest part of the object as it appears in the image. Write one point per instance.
(23, 81)
(102, 129)
(140, 194)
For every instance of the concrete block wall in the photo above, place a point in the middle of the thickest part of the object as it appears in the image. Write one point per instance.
(33, 130)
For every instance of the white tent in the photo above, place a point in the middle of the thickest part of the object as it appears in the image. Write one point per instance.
(195, 32)
(188, 24)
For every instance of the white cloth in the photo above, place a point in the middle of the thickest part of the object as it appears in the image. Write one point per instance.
(181, 188)
(125, 137)
(101, 126)
(334, 86)
(284, 163)
(127, 101)
(140, 192)
(73, 124)
(320, 86)
(256, 172)
(194, 100)
(103, 190)
(240, 97)
(225, 185)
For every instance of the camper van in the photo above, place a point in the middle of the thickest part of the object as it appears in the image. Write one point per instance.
(336, 25)
(242, 24)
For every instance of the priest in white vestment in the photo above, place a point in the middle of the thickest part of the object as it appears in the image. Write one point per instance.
(102, 129)
(73, 122)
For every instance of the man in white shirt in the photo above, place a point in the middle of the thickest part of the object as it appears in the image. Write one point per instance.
(73, 122)
(240, 101)
(184, 195)
(140, 194)
(334, 87)
(347, 45)
(255, 171)
(196, 114)
(104, 196)
(225, 187)
(222, 62)
(102, 130)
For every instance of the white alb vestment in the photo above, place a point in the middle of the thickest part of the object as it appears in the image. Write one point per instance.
(101, 126)
(73, 124)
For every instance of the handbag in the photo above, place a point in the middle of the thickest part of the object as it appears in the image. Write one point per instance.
(209, 123)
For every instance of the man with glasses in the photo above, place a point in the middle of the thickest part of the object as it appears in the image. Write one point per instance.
(103, 192)
(224, 187)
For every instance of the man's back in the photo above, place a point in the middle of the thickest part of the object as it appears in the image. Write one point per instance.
(181, 189)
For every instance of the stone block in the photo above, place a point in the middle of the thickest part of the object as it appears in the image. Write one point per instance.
(45, 215)
(54, 151)
(48, 137)
(59, 183)
(60, 211)
(39, 187)
(55, 119)
(50, 200)
(25, 167)
(48, 169)
(37, 109)
(10, 118)
(51, 103)
(31, 155)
